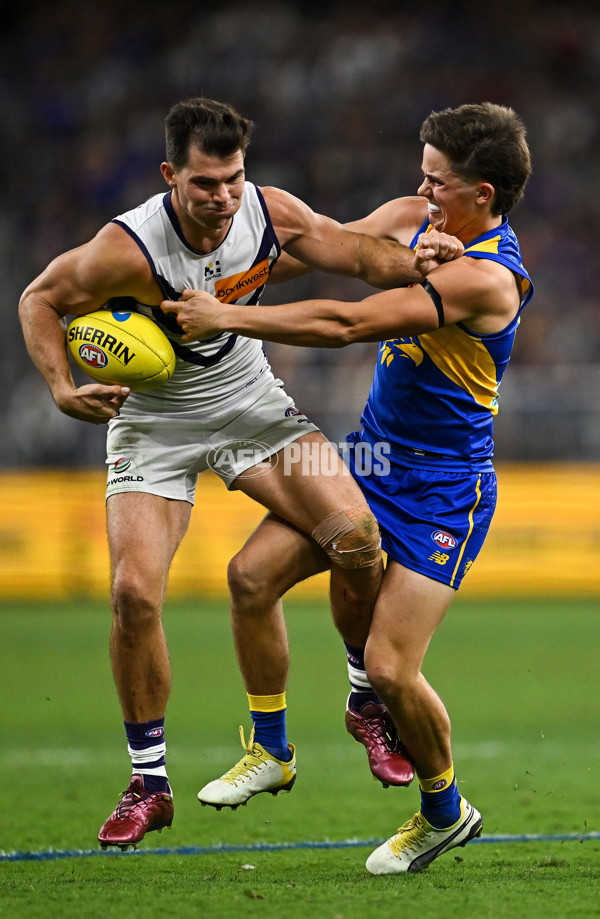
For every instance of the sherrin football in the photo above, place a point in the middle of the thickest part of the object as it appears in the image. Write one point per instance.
(123, 348)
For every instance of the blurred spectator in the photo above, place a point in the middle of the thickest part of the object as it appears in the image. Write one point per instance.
(338, 91)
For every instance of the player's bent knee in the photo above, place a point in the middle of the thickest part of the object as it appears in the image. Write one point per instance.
(250, 585)
(242, 580)
(390, 673)
(383, 680)
(134, 601)
(350, 538)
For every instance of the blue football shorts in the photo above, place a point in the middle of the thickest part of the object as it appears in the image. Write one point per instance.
(432, 521)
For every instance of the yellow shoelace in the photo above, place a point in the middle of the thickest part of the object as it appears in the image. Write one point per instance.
(410, 836)
(248, 763)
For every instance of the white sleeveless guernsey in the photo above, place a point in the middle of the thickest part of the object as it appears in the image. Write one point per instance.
(222, 373)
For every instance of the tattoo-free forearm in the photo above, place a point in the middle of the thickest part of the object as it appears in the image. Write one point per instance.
(386, 264)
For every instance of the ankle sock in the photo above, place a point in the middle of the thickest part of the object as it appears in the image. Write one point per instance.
(440, 800)
(146, 746)
(269, 718)
(361, 690)
(356, 700)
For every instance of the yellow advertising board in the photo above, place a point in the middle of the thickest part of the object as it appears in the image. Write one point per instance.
(543, 541)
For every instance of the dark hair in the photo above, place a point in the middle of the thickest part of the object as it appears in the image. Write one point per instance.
(484, 143)
(215, 127)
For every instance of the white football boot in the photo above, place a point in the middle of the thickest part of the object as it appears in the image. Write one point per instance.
(417, 843)
(256, 772)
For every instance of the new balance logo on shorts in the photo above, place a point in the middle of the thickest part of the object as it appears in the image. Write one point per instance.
(440, 558)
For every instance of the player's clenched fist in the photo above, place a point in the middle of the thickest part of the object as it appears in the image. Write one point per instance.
(434, 248)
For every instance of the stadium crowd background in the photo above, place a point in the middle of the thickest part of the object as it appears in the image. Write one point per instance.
(338, 92)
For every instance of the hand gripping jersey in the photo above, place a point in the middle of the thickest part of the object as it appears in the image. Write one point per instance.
(434, 395)
(227, 371)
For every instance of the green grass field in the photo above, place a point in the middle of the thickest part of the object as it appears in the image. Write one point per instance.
(521, 682)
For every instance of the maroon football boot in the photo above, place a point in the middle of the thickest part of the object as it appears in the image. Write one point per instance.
(373, 727)
(138, 812)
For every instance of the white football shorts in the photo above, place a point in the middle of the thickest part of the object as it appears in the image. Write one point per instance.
(163, 454)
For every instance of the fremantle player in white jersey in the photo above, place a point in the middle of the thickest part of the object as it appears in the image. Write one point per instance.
(213, 231)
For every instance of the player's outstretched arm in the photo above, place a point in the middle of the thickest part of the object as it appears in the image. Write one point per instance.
(474, 290)
(288, 268)
(378, 253)
(308, 323)
(323, 243)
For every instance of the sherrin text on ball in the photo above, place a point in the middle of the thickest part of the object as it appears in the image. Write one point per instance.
(121, 347)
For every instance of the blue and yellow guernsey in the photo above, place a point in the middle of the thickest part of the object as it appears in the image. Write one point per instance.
(434, 396)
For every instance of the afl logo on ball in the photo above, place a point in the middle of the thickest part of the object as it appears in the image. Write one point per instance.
(445, 540)
(93, 356)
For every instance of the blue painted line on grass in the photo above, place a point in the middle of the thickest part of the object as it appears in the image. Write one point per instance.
(53, 854)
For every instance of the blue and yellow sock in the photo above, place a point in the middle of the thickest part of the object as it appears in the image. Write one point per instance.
(440, 800)
(268, 714)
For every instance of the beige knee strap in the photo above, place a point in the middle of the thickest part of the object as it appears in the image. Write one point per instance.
(350, 538)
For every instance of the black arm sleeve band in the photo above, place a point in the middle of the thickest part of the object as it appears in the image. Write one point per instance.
(437, 300)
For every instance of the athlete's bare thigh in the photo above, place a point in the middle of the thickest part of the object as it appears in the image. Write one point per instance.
(409, 609)
(144, 531)
(308, 482)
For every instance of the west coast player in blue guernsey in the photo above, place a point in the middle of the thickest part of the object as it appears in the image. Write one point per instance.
(445, 344)
(432, 402)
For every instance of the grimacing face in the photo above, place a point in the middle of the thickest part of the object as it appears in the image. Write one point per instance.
(453, 202)
(208, 189)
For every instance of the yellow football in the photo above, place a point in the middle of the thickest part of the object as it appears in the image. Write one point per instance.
(121, 347)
